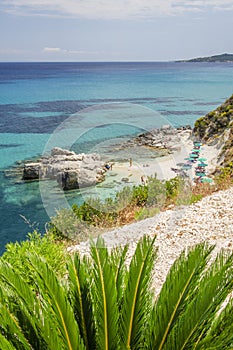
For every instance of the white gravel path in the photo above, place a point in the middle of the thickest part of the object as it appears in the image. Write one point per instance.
(209, 220)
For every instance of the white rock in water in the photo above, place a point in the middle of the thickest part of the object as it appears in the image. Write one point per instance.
(71, 170)
(59, 151)
(166, 127)
(31, 171)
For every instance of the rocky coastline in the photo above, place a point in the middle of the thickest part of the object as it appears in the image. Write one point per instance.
(166, 139)
(70, 170)
(74, 171)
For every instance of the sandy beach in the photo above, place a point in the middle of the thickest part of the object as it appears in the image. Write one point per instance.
(162, 166)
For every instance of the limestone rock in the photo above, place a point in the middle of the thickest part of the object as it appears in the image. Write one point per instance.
(61, 152)
(31, 171)
(71, 170)
(165, 138)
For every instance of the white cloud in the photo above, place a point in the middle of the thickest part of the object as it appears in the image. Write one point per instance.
(52, 49)
(112, 9)
(67, 52)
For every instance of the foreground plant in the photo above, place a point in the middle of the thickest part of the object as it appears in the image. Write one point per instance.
(103, 305)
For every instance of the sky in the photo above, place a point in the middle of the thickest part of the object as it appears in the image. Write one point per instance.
(114, 30)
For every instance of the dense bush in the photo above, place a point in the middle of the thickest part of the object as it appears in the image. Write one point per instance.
(17, 255)
(137, 202)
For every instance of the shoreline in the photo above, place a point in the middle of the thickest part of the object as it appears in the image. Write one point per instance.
(161, 165)
(145, 162)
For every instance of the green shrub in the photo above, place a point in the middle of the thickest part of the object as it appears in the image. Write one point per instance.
(53, 252)
(145, 212)
(67, 225)
(189, 199)
(173, 187)
(156, 192)
(124, 198)
(140, 195)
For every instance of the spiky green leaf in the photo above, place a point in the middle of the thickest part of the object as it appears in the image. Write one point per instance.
(57, 305)
(137, 302)
(79, 291)
(104, 296)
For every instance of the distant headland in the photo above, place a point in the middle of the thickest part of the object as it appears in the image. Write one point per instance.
(225, 57)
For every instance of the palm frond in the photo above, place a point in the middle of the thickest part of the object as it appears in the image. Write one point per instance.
(211, 290)
(176, 292)
(57, 306)
(137, 302)
(19, 308)
(118, 257)
(220, 332)
(5, 344)
(10, 329)
(79, 292)
(104, 296)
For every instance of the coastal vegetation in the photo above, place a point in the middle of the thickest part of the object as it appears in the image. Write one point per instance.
(225, 57)
(216, 128)
(131, 203)
(105, 302)
(43, 245)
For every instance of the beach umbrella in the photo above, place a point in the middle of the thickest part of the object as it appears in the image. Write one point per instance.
(202, 164)
(193, 155)
(200, 174)
(207, 180)
(202, 159)
(196, 150)
(197, 144)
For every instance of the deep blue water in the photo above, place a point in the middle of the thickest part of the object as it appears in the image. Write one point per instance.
(35, 98)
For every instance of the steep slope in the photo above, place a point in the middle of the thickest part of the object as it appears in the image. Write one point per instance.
(216, 128)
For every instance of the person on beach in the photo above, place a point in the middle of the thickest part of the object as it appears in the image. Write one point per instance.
(143, 182)
(130, 162)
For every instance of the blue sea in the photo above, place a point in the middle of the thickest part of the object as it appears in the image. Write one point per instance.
(84, 106)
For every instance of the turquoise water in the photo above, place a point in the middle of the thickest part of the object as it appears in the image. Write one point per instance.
(104, 101)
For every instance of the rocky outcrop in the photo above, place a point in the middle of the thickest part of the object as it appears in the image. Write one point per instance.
(165, 139)
(216, 128)
(71, 170)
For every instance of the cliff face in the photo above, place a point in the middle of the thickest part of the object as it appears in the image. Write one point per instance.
(216, 128)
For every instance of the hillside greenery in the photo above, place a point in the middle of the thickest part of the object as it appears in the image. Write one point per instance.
(131, 204)
(103, 303)
(216, 127)
(43, 245)
(225, 57)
